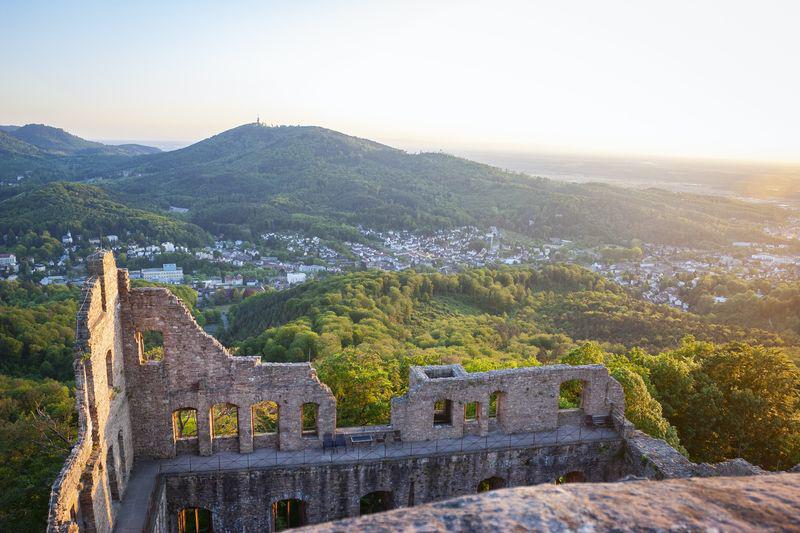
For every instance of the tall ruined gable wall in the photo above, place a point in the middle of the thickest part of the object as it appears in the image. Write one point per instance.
(197, 372)
(95, 474)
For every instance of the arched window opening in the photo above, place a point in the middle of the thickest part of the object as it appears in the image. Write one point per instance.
(495, 403)
(309, 414)
(443, 413)
(184, 423)
(225, 420)
(110, 369)
(571, 477)
(112, 474)
(265, 418)
(194, 520)
(376, 502)
(472, 411)
(289, 513)
(492, 483)
(492, 411)
(570, 394)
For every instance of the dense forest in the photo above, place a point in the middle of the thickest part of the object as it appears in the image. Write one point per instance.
(38, 422)
(38, 426)
(501, 309)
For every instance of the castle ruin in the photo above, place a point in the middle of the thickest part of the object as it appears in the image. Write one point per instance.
(196, 439)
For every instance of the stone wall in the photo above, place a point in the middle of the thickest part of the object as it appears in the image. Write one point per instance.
(527, 399)
(115, 386)
(197, 372)
(759, 503)
(651, 458)
(242, 500)
(88, 490)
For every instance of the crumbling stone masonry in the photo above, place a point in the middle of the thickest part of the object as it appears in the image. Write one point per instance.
(525, 399)
(115, 386)
(240, 501)
(138, 410)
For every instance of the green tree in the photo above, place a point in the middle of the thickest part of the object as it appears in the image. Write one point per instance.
(362, 383)
(37, 429)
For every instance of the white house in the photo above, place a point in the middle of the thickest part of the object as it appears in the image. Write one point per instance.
(8, 260)
(312, 269)
(295, 277)
(169, 273)
(50, 280)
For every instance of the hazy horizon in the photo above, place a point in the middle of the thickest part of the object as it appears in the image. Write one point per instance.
(684, 79)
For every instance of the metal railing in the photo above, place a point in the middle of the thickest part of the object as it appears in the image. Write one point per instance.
(272, 457)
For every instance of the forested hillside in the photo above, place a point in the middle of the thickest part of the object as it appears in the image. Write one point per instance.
(488, 308)
(254, 178)
(89, 211)
(37, 329)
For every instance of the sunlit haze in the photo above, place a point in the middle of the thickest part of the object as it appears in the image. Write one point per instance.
(713, 79)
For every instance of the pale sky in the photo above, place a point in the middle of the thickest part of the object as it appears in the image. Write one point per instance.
(694, 78)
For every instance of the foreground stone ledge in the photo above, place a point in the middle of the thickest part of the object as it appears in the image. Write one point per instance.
(769, 502)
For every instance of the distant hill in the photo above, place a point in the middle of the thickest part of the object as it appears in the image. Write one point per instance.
(136, 149)
(309, 178)
(35, 154)
(11, 146)
(87, 210)
(56, 141)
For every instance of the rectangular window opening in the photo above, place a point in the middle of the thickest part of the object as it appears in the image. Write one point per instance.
(151, 345)
(309, 414)
(265, 418)
(472, 411)
(494, 400)
(570, 394)
(225, 420)
(184, 422)
(443, 413)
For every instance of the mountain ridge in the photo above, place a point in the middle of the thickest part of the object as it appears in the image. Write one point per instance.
(57, 141)
(253, 179)
(299, 177)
